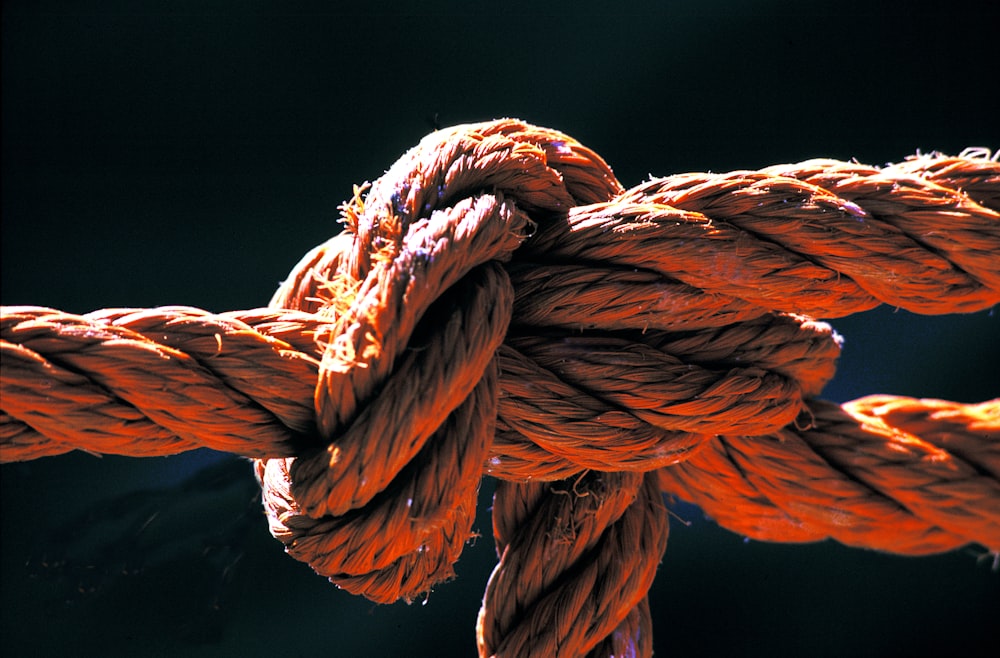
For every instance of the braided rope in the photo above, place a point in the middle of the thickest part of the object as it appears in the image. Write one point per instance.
(499, 304)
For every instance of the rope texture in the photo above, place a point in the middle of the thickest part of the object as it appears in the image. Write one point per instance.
(497, 303)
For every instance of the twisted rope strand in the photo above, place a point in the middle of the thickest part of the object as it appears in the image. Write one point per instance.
(575, 563)
(854, 476)
(975, 171)
(206, 390)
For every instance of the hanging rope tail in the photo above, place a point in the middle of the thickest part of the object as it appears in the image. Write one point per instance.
(497, 303)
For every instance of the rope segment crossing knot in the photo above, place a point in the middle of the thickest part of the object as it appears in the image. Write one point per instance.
(498, 303)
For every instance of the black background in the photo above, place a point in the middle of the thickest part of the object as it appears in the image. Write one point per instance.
(189, 152)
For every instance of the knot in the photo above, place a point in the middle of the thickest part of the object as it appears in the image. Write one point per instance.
(419, 306)
(497, 301)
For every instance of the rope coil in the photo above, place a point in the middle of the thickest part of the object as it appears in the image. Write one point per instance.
(497, 303)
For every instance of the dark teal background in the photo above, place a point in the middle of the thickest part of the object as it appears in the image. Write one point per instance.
(189, 152)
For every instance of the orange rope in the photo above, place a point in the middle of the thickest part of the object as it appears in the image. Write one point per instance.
(498, 303)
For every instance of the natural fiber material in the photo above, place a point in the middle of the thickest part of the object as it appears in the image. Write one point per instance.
(498, 303)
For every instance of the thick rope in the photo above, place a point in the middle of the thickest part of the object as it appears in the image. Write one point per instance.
(922, 477)
(498, 303)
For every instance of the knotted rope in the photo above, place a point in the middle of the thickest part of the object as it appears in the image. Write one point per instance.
(498, 303)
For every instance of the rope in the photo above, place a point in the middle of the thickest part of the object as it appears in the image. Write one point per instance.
(497, 303)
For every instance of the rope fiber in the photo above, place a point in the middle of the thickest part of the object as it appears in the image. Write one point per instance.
(497, 303)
